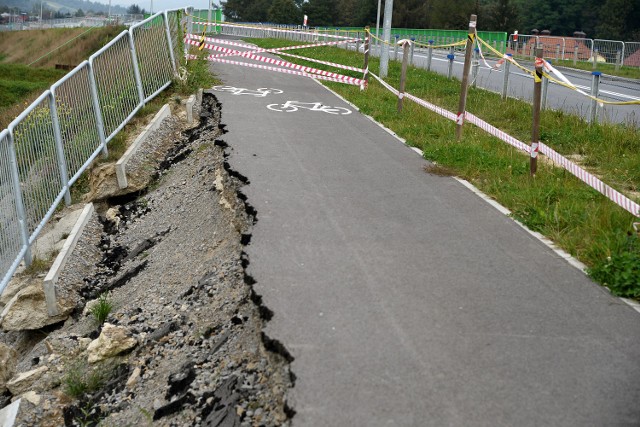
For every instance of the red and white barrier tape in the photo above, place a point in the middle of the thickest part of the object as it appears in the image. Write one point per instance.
(592, 181)
(276, 30)
(272, 50)
(492, 130)
(278, 62)
(448, 114)
(348, 80)
(279, 51)
(586, 177)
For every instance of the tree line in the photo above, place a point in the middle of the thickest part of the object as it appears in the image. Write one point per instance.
(608, 19)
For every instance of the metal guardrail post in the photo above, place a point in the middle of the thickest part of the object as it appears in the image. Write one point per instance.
(429, 55)
(395, 48)
(505, 81)
(475, 66)
(165, 16)
(618, 60)
(62, 163)
(450, 57)
(595, 58)
(545, 89)
(593, 108)
(413, 39)
(136, 67)
(19, 199)
(98, 111)
(575, 54)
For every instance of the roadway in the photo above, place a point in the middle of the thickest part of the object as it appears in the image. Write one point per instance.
(405, 299)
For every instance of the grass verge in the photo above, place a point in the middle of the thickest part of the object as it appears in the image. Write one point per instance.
(623, 71)
(554, 203)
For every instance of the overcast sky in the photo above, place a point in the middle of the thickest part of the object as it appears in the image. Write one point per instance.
(159, 5)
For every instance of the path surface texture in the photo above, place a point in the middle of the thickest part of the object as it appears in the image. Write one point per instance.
(405, 299)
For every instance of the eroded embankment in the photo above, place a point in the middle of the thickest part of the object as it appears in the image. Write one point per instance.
(173, 265)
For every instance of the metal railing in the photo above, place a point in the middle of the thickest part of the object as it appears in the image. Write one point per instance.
(47, 147)
(85, 21)
(577, 49)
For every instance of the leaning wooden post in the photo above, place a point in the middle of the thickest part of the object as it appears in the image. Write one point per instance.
(406, 44)
(367, 46)
(537, 96)
(464, 89)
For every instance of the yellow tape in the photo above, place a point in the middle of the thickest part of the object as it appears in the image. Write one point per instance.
(551, 78)
(537, 78)
(472, 37)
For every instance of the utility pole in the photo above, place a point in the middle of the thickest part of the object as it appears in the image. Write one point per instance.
(386, 36)
(209, 14)
(378, 24)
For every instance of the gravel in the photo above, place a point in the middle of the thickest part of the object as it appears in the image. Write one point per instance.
(171, 259)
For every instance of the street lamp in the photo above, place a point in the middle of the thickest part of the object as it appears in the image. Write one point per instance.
(378, 24)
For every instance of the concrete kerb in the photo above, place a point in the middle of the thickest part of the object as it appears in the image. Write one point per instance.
(191, 101)
(121, 173)
(52, 276)
(9, 413)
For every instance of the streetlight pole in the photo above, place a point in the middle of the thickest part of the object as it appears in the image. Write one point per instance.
(209, 14)
(386, 37)
(378, 24)
(41, 13)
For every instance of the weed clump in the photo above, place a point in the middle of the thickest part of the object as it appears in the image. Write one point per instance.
(621, 271)
(102, 308)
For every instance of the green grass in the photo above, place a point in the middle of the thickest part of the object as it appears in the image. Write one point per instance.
(624, 71)
(81, 379)
(19, 81)
(102, 308)
(555, 203)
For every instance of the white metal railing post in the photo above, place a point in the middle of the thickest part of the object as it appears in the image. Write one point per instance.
(136, 68)
(98, 110)
(62, 163)
(22, 215)
(172, 55)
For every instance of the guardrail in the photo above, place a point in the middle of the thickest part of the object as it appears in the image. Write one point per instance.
(47, 147)
(85, 21)
(577, 49)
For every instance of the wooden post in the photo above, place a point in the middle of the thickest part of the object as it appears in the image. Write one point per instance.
(464, 89)
(367, 47)
(403, 76)
(537, 95)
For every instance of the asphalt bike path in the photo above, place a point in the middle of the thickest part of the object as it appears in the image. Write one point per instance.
(404, 297)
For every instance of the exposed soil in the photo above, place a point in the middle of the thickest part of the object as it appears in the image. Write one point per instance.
(171, 259)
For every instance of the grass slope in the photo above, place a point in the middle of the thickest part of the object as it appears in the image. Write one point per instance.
(20, 84)
(555, 203)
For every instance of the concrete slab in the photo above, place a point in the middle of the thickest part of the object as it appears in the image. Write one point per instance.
(60, 261)
(121, 165)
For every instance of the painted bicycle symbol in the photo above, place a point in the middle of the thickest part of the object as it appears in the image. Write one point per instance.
(261, 92)
(291, 106)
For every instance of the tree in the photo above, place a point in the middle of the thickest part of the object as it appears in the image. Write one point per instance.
(321, 13)
(284, 12)
(499, 15)
(79, 13)
(619, 19)
(134, 9)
